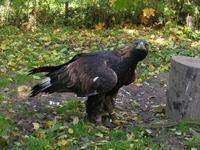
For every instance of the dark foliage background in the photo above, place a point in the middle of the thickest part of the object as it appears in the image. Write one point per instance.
(88, 13)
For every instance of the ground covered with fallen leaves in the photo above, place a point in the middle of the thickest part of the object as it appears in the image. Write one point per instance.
(57, 121)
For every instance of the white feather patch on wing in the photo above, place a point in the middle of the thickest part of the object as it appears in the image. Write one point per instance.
(94, 93)
(95, 79)
(46, 82)
(69, 65)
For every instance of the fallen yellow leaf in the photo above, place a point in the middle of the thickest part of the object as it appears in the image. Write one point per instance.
(99, 134)
(151, 68)
(99, 26)
(116, 122)
(112, 2)
(48, 124)
(148, 12)
(62, 142)
(36, 125)
(23, 91)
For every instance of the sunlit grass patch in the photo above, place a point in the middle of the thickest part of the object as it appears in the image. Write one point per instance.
(50, 46)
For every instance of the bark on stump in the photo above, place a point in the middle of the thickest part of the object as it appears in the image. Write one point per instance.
(183, 94)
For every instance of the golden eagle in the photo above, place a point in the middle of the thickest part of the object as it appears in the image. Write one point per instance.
(98, 76)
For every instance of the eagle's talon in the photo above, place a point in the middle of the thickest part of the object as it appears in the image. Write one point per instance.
(108, 123)
(112, 116)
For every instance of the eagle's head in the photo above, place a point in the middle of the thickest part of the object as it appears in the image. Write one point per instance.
(137, 51)
(140, 49)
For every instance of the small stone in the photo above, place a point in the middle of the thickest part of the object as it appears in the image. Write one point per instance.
(6, 89)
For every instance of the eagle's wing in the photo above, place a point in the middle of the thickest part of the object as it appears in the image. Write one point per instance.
(85, 76)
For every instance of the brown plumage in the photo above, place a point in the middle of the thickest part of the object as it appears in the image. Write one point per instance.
(97, 75)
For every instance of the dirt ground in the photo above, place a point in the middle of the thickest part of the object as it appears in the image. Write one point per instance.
(144, 105)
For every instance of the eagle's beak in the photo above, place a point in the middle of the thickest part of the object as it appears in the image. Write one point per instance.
(141, 45)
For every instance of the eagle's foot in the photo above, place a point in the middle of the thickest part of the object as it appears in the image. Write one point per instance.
(107, 120)
(108, 123)
(96, 119)
(112, 116)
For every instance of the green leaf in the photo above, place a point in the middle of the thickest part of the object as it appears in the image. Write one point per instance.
(70, 131)
(99, 134)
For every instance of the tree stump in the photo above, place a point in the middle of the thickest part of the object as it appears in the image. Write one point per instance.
(183, 94)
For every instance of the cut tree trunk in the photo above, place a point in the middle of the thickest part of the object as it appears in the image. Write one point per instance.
(183, 94)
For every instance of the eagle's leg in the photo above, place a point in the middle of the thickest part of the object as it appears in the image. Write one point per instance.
(109, 104)
(95, 108)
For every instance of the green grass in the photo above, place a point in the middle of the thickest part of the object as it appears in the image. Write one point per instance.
(80, 130)
(117, 145)
(71, 107)
(8, 81)
(116, 135)
(186, 124)
(6, 125)
(33, 143)
(3, 97)
(72, 104)
(125, 145)
(21, 52)
(5, 81)
(194, 141)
